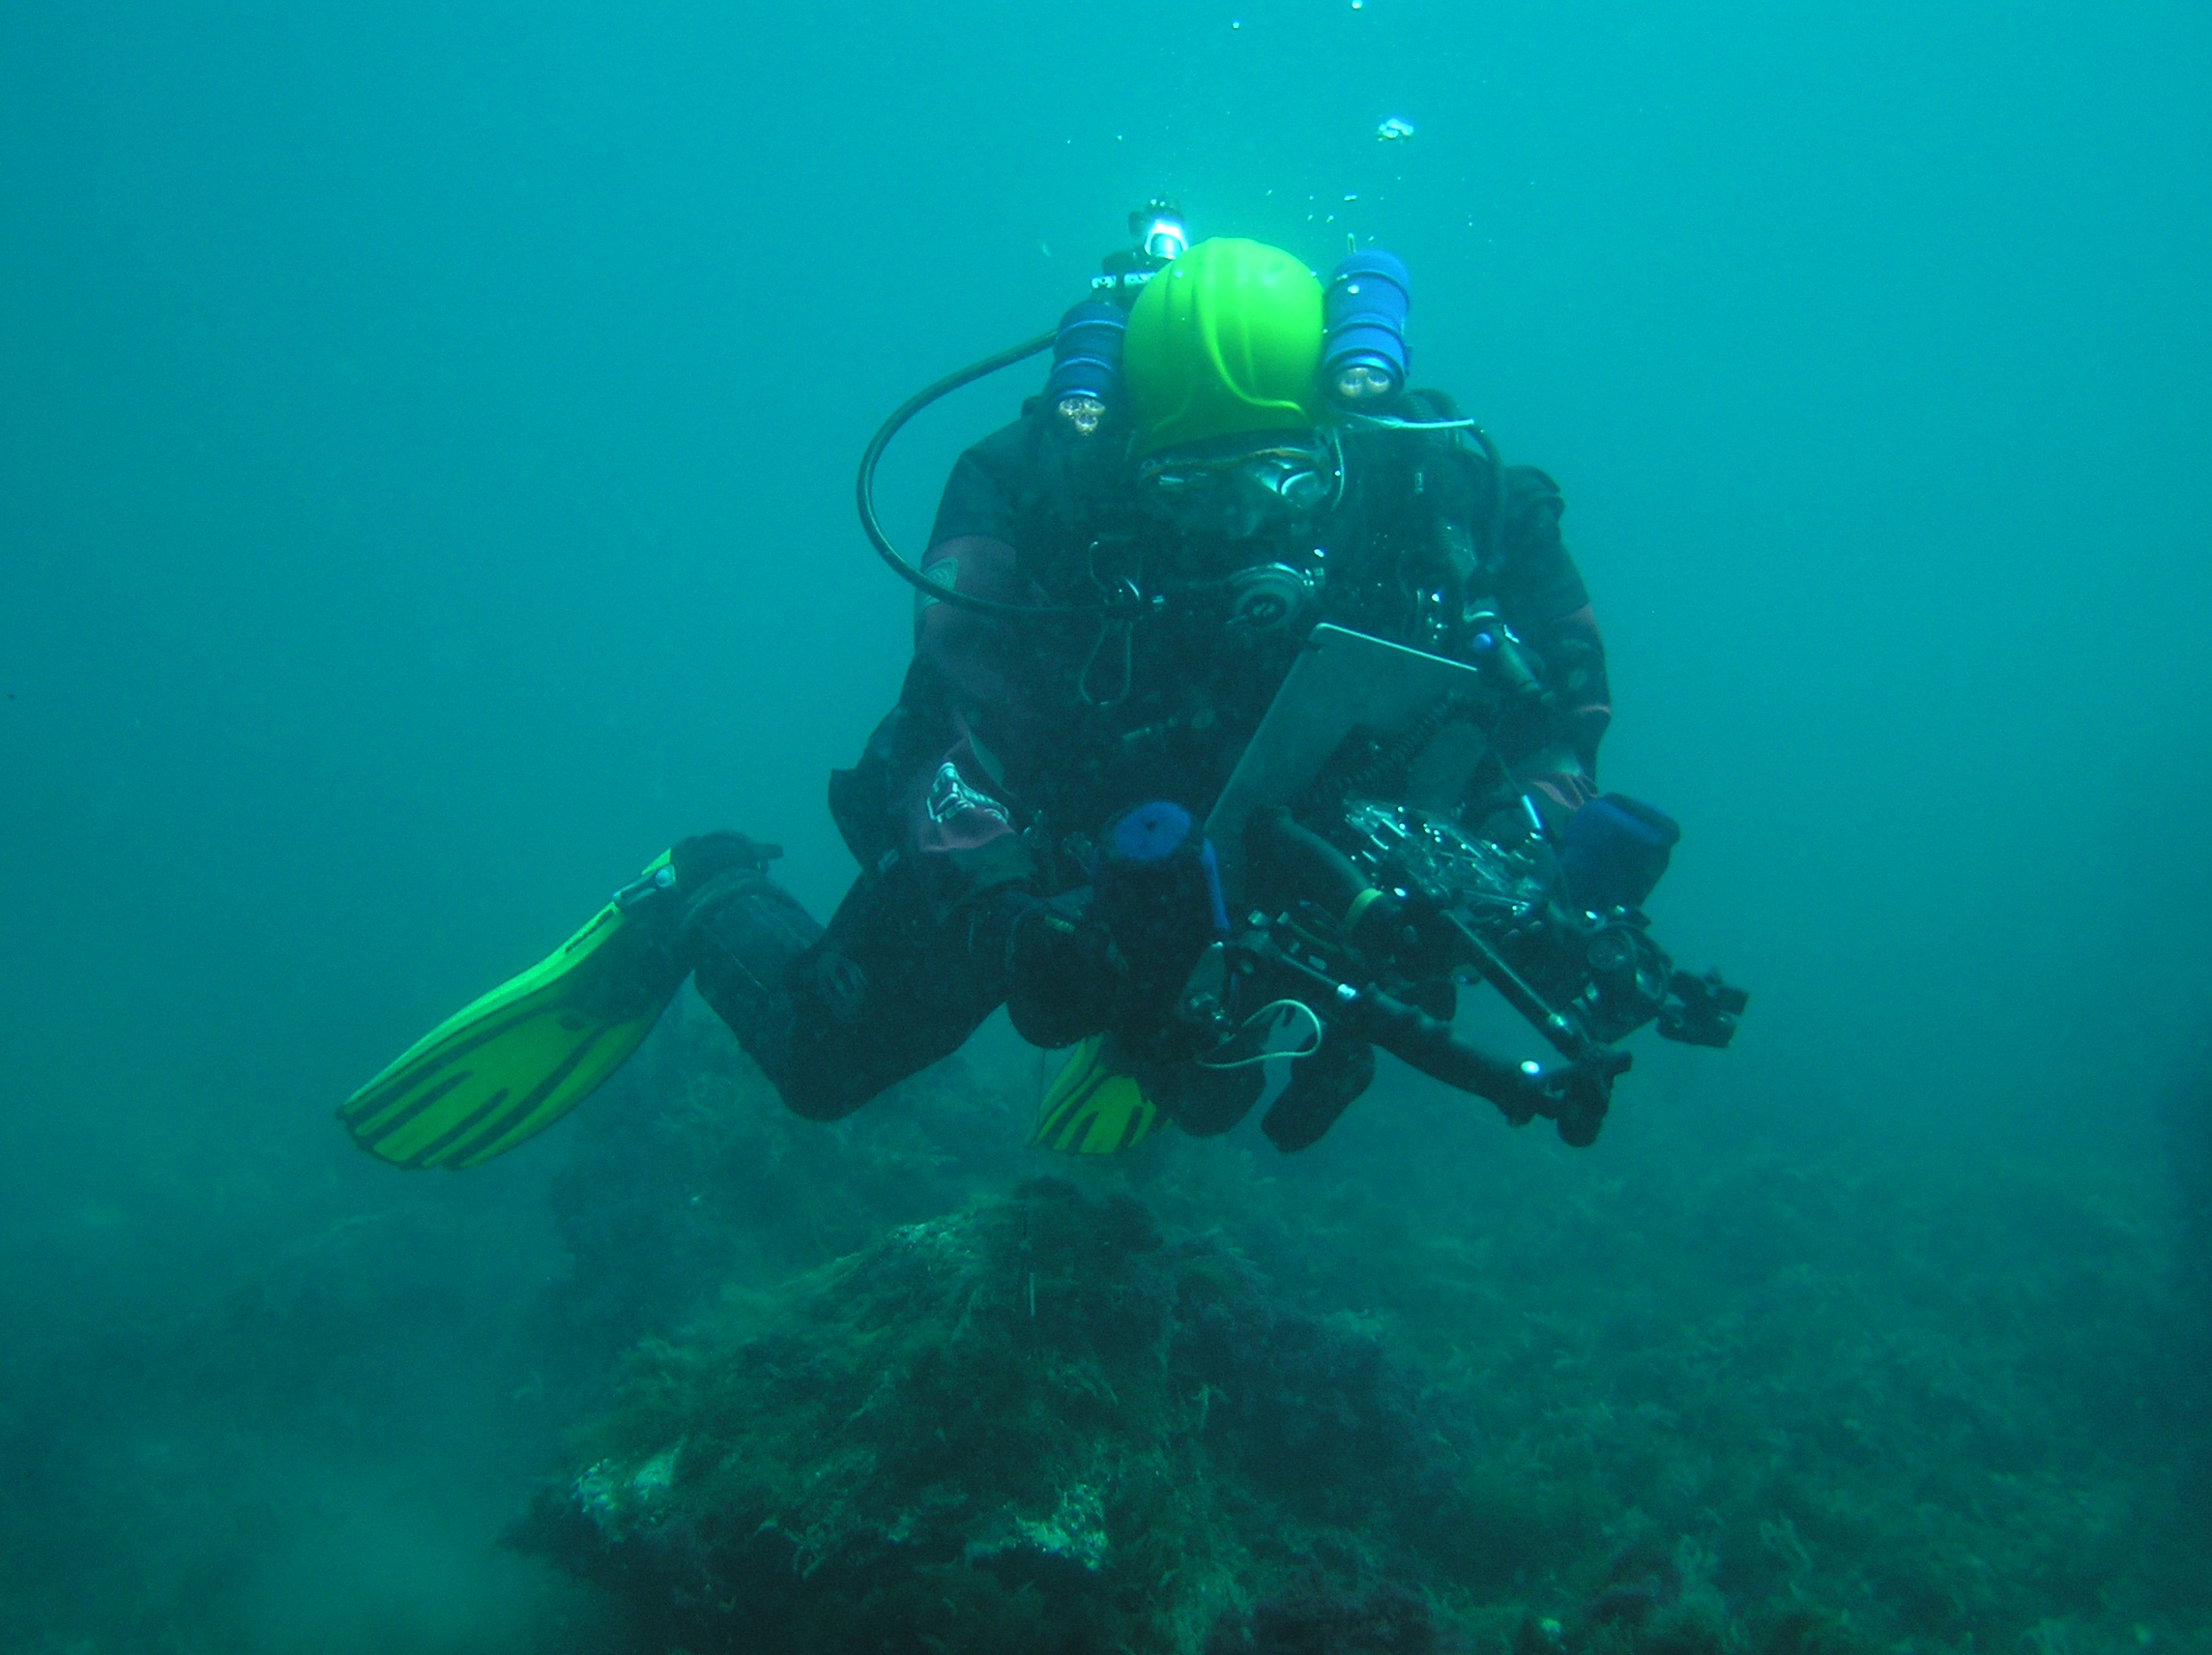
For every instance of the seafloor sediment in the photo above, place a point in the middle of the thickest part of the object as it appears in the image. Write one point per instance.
(1510, 1401)
(1038, 1423)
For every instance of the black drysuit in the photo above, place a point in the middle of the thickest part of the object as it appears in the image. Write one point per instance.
(1014, 741)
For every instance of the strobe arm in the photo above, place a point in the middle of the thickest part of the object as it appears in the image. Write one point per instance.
(1575, 1098)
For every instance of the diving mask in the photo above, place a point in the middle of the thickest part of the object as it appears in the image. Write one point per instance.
(1238, 491)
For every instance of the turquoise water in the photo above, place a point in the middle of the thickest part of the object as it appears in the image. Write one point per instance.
(425, 450)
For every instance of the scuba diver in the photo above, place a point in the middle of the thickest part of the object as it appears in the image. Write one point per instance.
(1226, 467)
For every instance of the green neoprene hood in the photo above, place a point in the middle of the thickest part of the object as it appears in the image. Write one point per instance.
(1225, 341)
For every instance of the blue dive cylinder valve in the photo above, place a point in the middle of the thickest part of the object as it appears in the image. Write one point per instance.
(1363, 358)
(1086, 381)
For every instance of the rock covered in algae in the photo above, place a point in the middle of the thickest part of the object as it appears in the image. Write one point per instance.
(1040, 1424)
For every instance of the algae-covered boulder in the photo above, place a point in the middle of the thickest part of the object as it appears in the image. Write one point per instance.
(1040, 1424)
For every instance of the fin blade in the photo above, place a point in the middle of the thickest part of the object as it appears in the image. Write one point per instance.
(504, 1066)
(1091, 1107)
(595, 1066)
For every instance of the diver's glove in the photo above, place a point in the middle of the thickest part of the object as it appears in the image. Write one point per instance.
(1065, 977)
(1613, 850)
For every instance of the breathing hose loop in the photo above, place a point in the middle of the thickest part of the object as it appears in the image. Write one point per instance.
(1124, 609)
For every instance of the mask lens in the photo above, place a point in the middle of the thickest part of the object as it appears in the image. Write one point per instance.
(1181, 485)
(1269, 486)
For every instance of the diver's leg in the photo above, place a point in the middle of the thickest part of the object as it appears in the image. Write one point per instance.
(897, 983)
(1322, 1088)
(1206, 1102)
(744, 933)
(835, 1016)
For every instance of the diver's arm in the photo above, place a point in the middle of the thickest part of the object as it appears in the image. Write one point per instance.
(985, 663)
(942, 775)
(1556, 758)
(1552, 754)
(978, 658)
(955, 808)
(929, 788)
(945, 801)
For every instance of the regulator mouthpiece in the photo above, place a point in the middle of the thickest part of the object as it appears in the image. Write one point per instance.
(1363, 358)
(1086, 381)
(1267, 599)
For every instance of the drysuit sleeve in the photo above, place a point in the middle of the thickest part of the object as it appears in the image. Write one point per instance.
(949, 805)
(970, 688)
(984, 665)
(1554, 754)
(982, 496)
(933, 785)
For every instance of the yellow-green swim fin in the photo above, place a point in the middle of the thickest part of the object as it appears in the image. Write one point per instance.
(1091, 1107)
(509, 1064)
